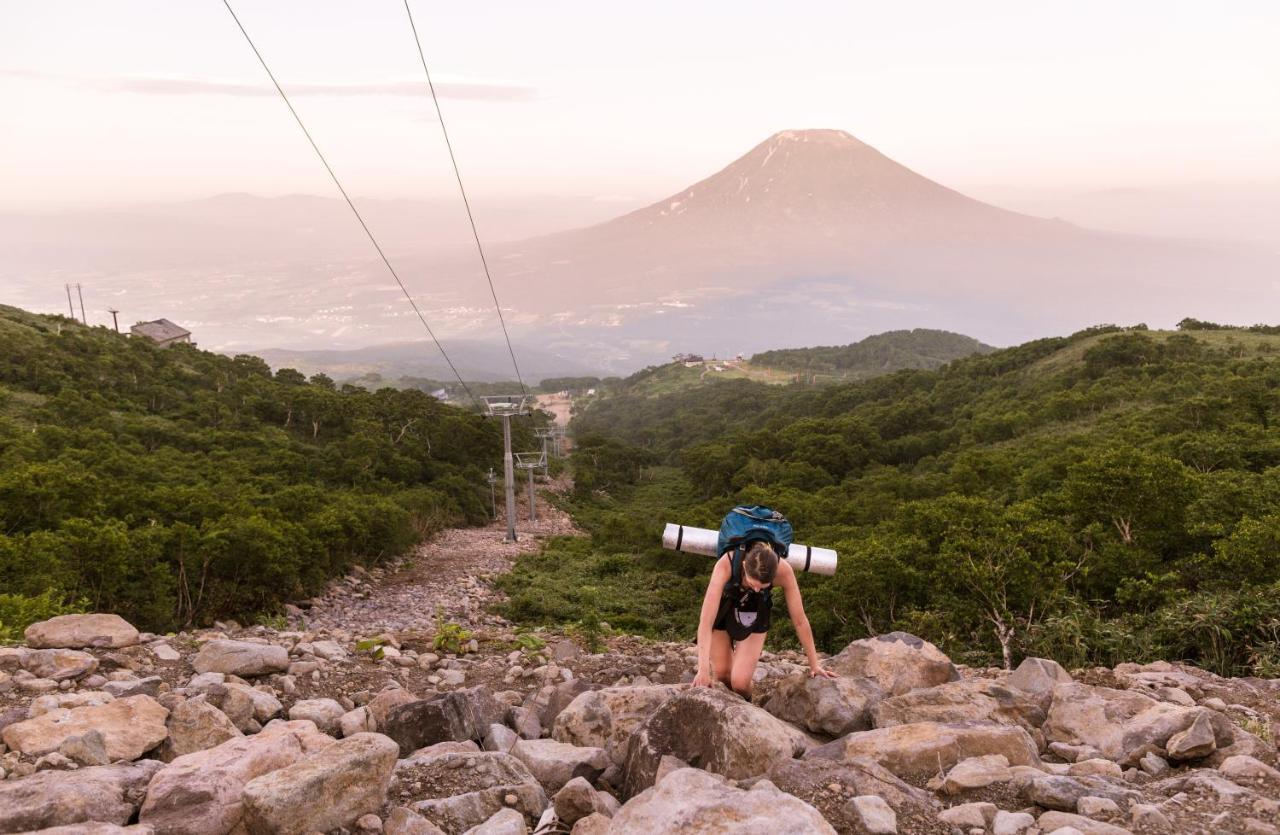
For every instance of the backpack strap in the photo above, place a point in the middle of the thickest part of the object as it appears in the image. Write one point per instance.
(735, 565)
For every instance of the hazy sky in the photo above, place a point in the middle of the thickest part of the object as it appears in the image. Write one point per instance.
(114, 102)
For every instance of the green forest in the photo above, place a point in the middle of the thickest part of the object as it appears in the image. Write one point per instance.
(178, 486)
(1108, 496)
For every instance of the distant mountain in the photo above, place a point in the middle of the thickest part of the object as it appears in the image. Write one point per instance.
(811, 237)
(879, 354)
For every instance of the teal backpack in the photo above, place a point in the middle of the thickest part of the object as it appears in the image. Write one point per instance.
(749, 523)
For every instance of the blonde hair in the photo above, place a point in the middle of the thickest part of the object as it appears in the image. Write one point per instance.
(761, 561)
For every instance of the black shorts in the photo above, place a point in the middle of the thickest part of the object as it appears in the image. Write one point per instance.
(740, 625)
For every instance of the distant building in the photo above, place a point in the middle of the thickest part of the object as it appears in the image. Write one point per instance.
(162, 332)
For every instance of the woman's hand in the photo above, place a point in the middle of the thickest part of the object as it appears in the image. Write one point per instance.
(820, 671)
(702, 679)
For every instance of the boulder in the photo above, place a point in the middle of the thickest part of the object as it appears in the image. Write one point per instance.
(1123, 725)
(873, 816)
(326, 713)
(1065, 793)
(922, 748)
(553, 764)
(1053, 821)
(41, 705)
(711, 729)
(89, 748)
(831, 706)
(1012, 823)
(129, 727)
(1194, 743)
(356, 721)
(458, 715)
(326, 790)
(94, 828)
(107, 793)
(548, 701)
(1038, 676)
(1248, 768)
(81, 631)
(382, 704)
(195, 725)
(464, 789)
(811, 780)
(502, 822)
(977, 773)
(607, 718)
(968, 700)
(60, 664)
(240, 658)
(898, 662)
(576, 800)
(968, 816)
(405, 821)
(694, 802)
(200, 793)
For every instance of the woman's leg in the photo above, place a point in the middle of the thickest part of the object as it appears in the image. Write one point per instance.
(721, 656)
(745, 655)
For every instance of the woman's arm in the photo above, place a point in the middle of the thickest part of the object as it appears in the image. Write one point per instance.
(710, 606)
(786, 578)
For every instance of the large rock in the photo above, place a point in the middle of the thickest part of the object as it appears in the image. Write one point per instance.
(405, 821)
(200, 793)
(129, 727)
(548, 702)
(607, 718)
(1064, 793)
(196, 725)
(924, 748)
(831, 706)
(811, 780)
(898, 662)
(457, 716)
(59, 664)
(41, 705)
(554, 764)
(1123, 724)
(386, 701)
(968, 700)
(81, 631)
(107, 793)
(693, 802)
(711, 729)
(329, 789)
(324, 712)
(1038, 676)
(460, 789)
(240, 658)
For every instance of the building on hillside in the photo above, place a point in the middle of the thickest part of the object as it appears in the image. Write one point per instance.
(162, 332)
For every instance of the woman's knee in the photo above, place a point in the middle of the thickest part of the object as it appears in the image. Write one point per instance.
(740, 681)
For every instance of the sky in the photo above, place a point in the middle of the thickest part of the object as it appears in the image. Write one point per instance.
(129, 101)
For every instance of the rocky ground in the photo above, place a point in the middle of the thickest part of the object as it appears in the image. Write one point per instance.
(374, 712)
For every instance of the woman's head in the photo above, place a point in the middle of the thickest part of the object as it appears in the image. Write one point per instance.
(760, 563)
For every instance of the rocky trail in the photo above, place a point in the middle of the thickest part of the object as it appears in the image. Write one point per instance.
(396, 702)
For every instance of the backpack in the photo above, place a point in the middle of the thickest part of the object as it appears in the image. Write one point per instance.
(751, 523)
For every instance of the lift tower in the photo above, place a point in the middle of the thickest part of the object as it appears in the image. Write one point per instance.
(507, 406)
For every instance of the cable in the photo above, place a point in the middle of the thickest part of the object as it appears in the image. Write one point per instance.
(352, 205)
(465, 202)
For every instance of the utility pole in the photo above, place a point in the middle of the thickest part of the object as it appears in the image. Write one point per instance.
(507, 407)
(545, 435)
(493, 491)
(114, 321)
(84, 319)
(70, 305)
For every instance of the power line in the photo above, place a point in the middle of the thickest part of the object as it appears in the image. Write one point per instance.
(465, 202)
(352, 205)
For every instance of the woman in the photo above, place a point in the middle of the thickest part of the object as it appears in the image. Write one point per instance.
(735, 618)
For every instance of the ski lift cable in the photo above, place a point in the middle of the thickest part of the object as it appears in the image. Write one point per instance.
(350, 204)
(465, 202)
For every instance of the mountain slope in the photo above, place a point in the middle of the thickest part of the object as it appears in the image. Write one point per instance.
(879, 354)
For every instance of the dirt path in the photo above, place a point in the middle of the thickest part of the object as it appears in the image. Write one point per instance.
(448, 574)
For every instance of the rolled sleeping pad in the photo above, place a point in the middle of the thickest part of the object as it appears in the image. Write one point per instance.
(702, 541)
